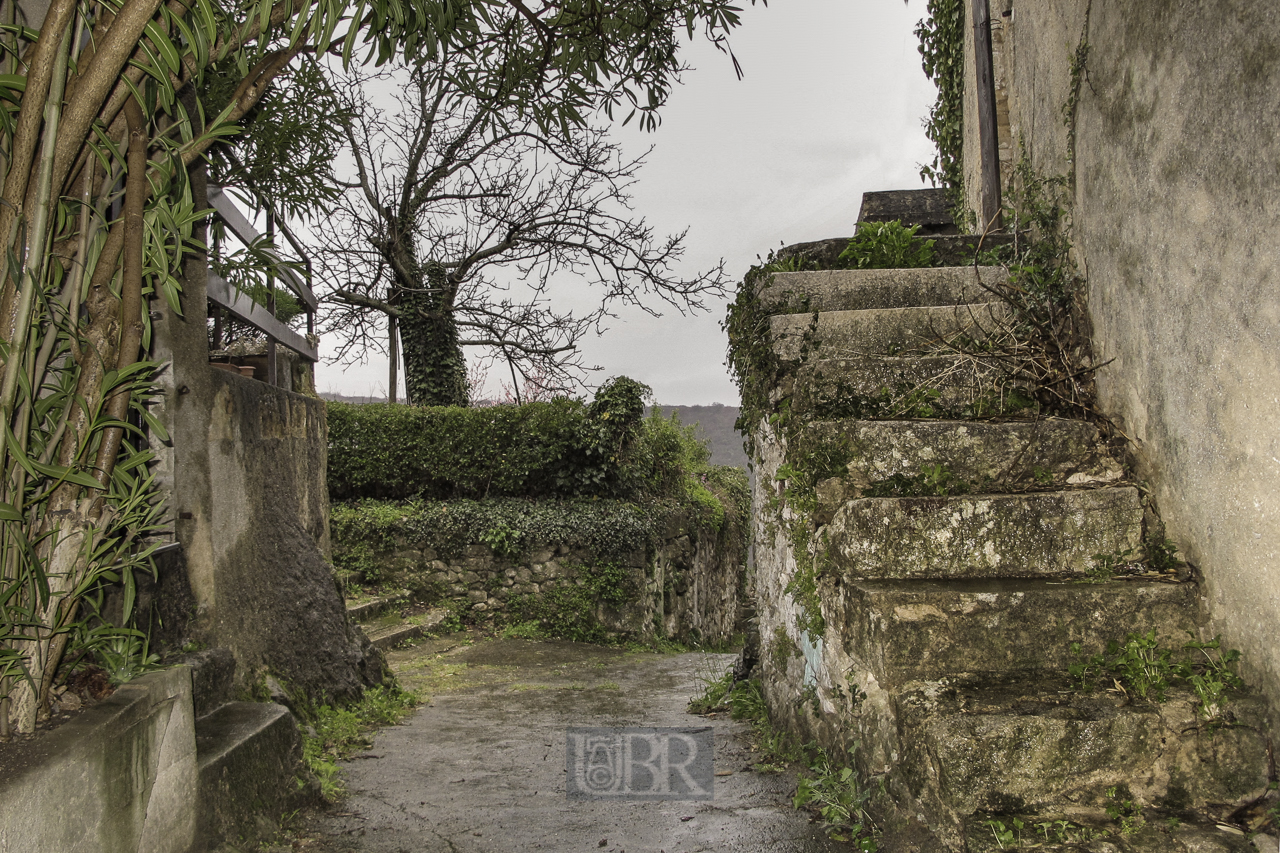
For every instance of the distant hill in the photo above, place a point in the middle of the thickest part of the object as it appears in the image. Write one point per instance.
(715, 425)
(714, 422)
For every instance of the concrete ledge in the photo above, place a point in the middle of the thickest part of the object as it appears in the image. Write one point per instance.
(250, 761)
(855, 290)
(119, 778)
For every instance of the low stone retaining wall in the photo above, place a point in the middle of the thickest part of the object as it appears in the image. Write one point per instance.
(685, 583)
(121, 777)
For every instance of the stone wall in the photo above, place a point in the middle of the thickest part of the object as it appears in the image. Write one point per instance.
(687, 584)
(1176, 204)
(244, 477)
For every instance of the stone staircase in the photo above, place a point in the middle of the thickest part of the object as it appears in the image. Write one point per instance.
(950, 619)
(248, 757)
(387, 621)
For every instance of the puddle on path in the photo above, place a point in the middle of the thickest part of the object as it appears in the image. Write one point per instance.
(480, 768)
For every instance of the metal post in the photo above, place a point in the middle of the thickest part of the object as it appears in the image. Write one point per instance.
(271, 302)
(988, 140)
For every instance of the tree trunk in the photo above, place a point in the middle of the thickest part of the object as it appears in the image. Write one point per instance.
(435, 373)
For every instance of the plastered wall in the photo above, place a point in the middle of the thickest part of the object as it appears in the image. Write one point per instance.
(1176, 201)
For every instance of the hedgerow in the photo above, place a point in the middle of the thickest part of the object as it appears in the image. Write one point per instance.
(562, 448)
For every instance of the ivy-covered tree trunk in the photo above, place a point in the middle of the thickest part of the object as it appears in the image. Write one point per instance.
(435, 373)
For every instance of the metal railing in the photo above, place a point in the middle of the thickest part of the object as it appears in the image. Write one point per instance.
(262, 317)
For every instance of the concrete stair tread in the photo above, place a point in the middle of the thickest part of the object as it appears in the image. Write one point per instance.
(362, 610)
(1009, 454)
(235, 726)
(877, 331)
(848, 290)
(948, 249)
(901, 631)
(249, 758)
(1033, 534)
(389, 636)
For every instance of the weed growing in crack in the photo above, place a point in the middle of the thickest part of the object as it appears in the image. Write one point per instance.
(1145, 670)
(835, 793)
(1124, 811)
(887, 245)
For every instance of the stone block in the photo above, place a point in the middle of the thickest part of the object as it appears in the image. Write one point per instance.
(924, 630)
(1010, 455)
(1043, 534)
(1005, 744)
(951, 381)
(856, 290)
(879, 331)
(250, 753)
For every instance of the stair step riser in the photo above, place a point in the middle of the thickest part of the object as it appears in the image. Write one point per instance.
(845, 334)
(856, 290)
(372, 609)
(999, 762)
(1009, 455)
(910, 631)
(1049, 534)
(835, 382)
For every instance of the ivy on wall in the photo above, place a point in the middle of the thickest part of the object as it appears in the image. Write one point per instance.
(941, 37)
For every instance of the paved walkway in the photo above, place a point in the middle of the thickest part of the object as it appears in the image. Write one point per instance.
(481, 768)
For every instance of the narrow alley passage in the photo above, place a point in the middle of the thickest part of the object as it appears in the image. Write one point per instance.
(481, 767)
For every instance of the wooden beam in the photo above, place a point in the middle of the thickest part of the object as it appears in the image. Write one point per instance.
(988, 140)
(239, 304)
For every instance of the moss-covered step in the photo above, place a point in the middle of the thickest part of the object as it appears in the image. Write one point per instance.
(879, 331)
(899, 386)
(976, 454)
(1040, 534)
(368, 607)
(900, 631)
(853, 290)
(1010, 744)
(1006, 744)
(1158, 833)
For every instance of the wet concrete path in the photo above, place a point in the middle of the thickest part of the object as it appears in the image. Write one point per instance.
(481, 767)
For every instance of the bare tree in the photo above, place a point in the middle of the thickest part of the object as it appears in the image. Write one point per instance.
(460, 212)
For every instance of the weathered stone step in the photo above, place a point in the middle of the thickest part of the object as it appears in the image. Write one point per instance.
(879, 331)
(1013, 744)
(903, 631)
(856, 290)
(391, 633)
(1008, 455)
(1040, 534)
(363, 610)
(948, 249)
(888, 386)
(1156, 836)
(249, 756)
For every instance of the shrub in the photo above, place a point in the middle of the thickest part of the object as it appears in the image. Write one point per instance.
(558, 449)
(887, 245)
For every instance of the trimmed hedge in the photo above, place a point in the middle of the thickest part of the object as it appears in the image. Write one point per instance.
(563, 448)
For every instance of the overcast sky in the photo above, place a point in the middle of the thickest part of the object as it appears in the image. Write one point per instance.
(830, 106)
